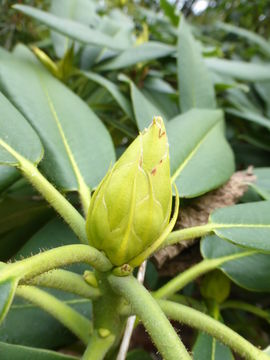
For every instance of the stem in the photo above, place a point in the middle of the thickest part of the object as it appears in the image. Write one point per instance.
(66, 281)
(241, 305)
(98, 347)
(55, 198)
(180, 281)
(154, 320)
(221, 332)
(189, 233)
(73, 320)
(51, 259)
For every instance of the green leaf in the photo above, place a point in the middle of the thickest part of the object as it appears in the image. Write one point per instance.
(262, 183)
(17, 352)
(247, 225)
(8, 176)
(72, 29)
(169, 10)
(194, 82)
(250, 271)
(206, 348)
(239, 69)
(144, 109)
(7, 292)
(251, 117)
(145, 52)
(16, 134)
(81, 11)
(138, 355)
(201, 159)
(246, 34)
(113, 90)
(77, 146)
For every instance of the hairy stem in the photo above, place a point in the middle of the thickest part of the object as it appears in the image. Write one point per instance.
(221, 332)
(154, 320)
(66, 281)
(194, 272)
(74, 321)
(187, 234)
(98, 346)
(54, 258)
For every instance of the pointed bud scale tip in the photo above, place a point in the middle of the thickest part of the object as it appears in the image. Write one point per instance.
(132, 204)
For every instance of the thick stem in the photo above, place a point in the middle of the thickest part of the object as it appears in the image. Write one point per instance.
(66, 281)
(54, 198)
(54, 258)
(221, 332)
(187, 234)
(154, 320)
(193, 273)
(98, 346)
(74, 321)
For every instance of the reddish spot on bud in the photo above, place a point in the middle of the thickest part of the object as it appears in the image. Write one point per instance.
(161, 161)
(153, 172)
(161, 133)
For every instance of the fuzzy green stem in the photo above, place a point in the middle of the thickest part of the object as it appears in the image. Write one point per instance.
(50, 193)
(98, 346)
(66, 281)
(54, 258)
(194, 272)
(205, 323)
(187, 234)
(154, 320)
(74, 321)
(241, 305)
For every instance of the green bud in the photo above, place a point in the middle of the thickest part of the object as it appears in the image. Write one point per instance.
(216, 286)
(131, 207)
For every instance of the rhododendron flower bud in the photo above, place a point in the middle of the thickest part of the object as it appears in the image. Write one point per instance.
(131, 206)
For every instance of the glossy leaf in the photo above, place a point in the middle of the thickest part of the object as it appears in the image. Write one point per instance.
(262, 183)
(200, 156)
(194, 82)
(72, 29)
(76, 143)
(250, 117)
(145, 52)
(17, 352)
(8, 176)
(24, 140)
(206, 348)
(7, 291)
(250, 271)
(239, 69)
(247, 224)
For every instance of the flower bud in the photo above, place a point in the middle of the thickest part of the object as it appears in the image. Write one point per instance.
(131, 206)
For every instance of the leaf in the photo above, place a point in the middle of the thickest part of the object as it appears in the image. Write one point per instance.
(262, 183)
(144, 109)
(247, 225)
(113, 90)
(194, 82)
(145, 52)
(70, 28)
(24, 140)
(77, 146)
(81, 11)
(28, 325)
(206, 348)
(201, 159)
(250, 271)
(251, 117)
(17, 352)
(138, 355)
(169, 10)
(8, 176)
(246, 34)
(239, 69)
(7, 292)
